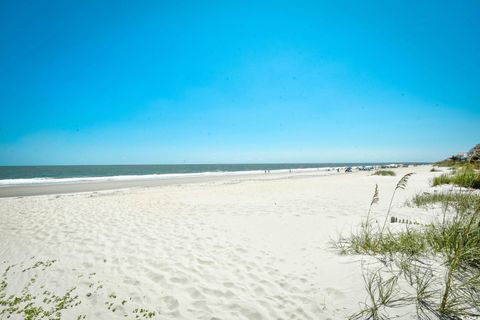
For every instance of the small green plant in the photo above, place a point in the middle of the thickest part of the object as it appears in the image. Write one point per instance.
(384, 173)
(34, 303)
(48, 305)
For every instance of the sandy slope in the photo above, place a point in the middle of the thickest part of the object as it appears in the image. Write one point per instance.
(240, 248)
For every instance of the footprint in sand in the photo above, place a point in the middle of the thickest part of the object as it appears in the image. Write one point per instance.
(259, 291)
(155, 277)
(335, 293)
(168, 303)
(179, 280)
(195, 294)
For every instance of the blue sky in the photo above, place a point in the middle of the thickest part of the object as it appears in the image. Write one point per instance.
(109, 82)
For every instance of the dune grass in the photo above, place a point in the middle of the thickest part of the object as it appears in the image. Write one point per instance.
(455, 163)
(464, 177)
(384, 173)
(438, 262)
(443, 179)
(448, 163)
(459, 201)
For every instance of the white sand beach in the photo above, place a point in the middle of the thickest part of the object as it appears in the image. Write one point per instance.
(252, 247)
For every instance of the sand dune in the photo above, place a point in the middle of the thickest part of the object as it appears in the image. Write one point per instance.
(239, 248)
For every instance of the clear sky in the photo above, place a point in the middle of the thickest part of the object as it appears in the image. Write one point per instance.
(108, 82)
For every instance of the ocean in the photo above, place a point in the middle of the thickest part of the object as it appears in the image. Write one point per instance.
(65, 173)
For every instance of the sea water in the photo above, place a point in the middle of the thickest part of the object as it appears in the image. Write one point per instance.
(69, 173)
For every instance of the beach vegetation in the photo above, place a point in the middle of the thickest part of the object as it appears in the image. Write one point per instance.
(450, 162)
(434, 266)
(470, 158)
(460, 201)
(443, 179)
(34, 301)
(466, 177)
(25, 304)
(384, 173)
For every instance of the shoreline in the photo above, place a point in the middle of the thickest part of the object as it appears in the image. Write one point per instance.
(48, 186)
(20, 175)
(36, 189)
(54, 180)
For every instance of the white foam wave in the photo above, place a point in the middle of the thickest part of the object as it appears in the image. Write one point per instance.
(46, 180)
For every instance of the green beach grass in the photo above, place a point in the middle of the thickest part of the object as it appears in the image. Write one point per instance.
(438, 262)
(459, 201)
(384, 173)
(464, 177)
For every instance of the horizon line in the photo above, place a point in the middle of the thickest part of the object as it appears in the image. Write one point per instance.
(225, 163)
